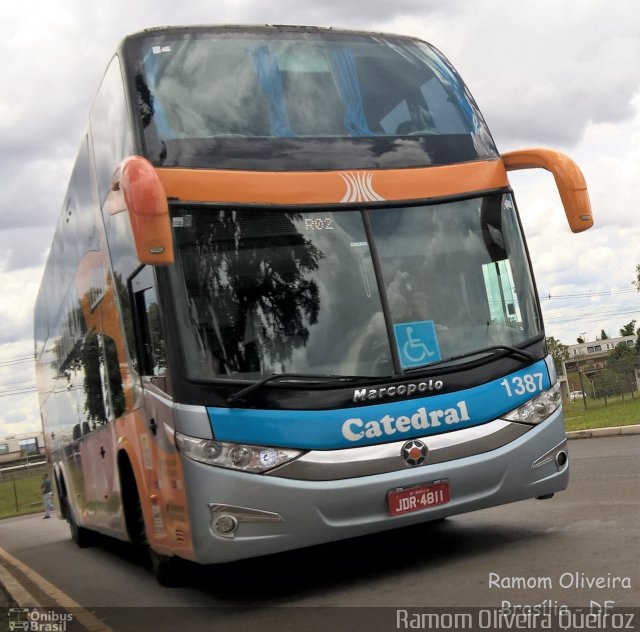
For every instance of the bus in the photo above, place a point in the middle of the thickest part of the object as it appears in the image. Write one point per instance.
(289, 299)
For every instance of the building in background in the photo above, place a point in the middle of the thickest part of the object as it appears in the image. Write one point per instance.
(21, 446)
(586, 361)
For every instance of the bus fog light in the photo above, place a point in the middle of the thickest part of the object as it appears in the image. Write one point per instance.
(226, 525)
(561, 459)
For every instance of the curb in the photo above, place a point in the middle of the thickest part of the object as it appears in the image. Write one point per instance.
(604, 432)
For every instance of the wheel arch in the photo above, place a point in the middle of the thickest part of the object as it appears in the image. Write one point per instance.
(130, 495)
(61, 488)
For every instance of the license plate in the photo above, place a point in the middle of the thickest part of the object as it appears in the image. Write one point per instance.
(408, 499)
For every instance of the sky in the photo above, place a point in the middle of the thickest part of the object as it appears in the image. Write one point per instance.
(563, 74)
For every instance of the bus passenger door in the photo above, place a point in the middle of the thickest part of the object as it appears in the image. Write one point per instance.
(166, 514)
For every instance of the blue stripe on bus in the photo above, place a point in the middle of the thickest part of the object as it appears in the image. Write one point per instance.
(379, 423)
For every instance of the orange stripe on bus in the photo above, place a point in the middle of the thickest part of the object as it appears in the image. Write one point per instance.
(331, 187)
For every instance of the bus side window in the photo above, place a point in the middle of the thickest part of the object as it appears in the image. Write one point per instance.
(110, 127)
(151, 345)
(103, 392)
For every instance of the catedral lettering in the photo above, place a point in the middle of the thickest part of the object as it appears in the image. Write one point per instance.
(355, 429)
(277, 246)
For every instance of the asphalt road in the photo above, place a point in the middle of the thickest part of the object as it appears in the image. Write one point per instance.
(582, 546)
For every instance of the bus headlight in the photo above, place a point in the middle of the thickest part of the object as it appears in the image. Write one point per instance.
(235, 456)
(537, 409)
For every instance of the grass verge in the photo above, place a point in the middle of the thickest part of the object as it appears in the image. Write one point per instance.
(20, 496)
(615, 412)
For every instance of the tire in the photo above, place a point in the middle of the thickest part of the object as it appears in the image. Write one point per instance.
(168, 570)
(81, 536)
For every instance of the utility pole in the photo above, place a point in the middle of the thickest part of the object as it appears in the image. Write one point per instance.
(584, 395)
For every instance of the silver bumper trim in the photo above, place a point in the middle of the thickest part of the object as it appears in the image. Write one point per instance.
(552, 456)
(329, 465)
(244, 514)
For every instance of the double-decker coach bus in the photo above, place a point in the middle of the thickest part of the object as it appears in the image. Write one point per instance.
(289, 300)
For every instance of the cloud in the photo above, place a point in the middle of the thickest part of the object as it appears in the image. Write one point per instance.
(20, 416)
(16, 314)
(544, 73)
(24, 247)
(18, 412)
(33, 191)
(601, 261)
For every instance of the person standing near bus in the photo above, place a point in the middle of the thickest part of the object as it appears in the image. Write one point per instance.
(45, 488)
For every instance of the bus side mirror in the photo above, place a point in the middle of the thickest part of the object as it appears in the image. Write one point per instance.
(136, 187)
(569, 180)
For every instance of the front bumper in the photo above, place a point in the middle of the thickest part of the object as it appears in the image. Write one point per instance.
(275, 514)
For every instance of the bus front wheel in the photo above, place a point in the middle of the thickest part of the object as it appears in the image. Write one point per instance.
(166, 569)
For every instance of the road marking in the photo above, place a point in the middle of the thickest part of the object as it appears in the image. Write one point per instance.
(18, 592)
(60, 599)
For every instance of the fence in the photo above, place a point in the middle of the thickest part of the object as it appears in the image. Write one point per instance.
(23, 469)
(20, 489)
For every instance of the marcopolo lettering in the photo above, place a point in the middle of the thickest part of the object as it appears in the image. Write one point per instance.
(355, 429)
(397, 390)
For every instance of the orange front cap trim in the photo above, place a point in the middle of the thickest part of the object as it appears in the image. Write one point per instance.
(331, 187)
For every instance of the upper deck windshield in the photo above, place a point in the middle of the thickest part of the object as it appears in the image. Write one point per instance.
(261, 292)
(278, 99)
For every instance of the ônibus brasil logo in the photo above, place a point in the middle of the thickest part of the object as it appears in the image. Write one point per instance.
(38, 620)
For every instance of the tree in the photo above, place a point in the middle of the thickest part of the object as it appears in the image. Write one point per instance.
(621, 362)
(629, 329)
(579, 340)
(636, 282)
(605, 383)
(558, 351)
(603, 335)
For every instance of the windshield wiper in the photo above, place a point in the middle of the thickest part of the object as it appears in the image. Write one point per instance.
(294, 377)
(514, 351)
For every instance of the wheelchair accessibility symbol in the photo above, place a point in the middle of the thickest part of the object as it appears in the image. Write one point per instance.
(417, 343)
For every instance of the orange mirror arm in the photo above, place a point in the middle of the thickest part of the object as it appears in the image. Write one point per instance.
(569, 180)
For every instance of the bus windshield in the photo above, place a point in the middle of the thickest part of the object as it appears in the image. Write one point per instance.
(216, 98)
(328, 292)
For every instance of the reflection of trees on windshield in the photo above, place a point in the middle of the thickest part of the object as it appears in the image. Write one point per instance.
(145, 101)
(252, 270)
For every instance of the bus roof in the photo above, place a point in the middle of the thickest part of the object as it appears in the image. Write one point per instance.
(297, 98)
(282, 28)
